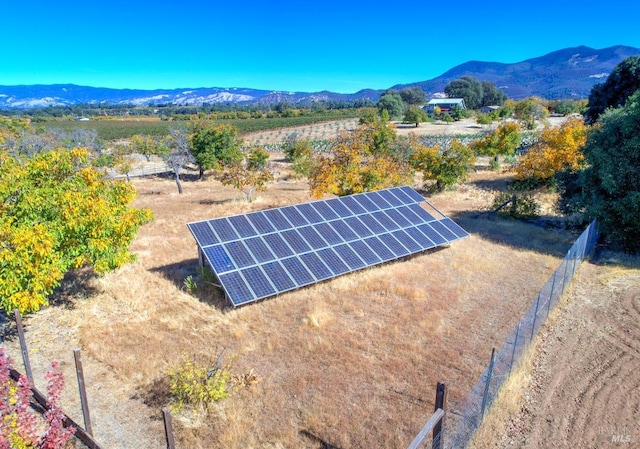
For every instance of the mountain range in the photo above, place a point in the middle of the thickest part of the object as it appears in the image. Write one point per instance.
(567, 73)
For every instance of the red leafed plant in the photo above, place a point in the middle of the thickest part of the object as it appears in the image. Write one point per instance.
(20, 427)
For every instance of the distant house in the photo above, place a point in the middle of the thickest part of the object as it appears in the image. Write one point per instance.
(489, 109)
(446, 105)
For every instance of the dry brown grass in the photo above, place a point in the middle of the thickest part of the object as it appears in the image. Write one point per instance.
(351, 362)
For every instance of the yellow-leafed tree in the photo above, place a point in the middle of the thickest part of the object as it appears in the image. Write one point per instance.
(58, 213)
(558, 148)
(360, 161)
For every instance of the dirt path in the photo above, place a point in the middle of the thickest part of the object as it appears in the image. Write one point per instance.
(586, 383)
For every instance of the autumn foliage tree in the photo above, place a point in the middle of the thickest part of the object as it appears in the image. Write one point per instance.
(559, 148)
(251, 174)
(58, 213)
(446, 164)
(502, 141)
(360, 161)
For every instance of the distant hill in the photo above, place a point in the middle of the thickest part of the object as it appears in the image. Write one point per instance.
(567, 73)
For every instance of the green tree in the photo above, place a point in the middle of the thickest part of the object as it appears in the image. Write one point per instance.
(300, 153)
(251, 174)
(392, 103)
(609, 186)
(530, 111)
(415, 114)
(214, 145)
(413, 96)
(58, 213)
(468, 88)
(147, 146)
(491, 95)
(502, 141)
(446, 165)
(620, 85)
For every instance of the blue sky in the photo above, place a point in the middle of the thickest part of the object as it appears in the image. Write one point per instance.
(342, 46)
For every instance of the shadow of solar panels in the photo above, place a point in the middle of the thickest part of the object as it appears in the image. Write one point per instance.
(261, 254)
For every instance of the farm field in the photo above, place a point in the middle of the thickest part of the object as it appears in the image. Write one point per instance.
(349, 363)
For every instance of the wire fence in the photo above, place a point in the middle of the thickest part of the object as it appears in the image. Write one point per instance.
(467, 417)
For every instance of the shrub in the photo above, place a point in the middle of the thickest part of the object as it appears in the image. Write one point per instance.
(522, 206)
(198, 383)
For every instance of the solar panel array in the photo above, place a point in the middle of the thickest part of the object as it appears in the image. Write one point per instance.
(261, 254)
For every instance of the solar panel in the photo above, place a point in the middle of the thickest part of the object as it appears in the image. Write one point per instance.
(261, 254)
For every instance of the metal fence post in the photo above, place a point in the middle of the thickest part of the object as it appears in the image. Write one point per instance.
(441, 403)
(515, 345)
(485, 396)
(553, 287)
(168, 428)
(23, 346)
(535, 317)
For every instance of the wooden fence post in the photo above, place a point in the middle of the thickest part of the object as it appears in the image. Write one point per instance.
(168, 428)
(441, 402)
(83, 392)
(23, 346)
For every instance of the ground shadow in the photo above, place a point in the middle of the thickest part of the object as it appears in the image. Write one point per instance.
(201, 283)
(539, 236)
(317, 440)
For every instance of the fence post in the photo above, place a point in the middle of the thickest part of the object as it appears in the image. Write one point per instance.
(515, 345)
(485, 397)
(83, 392)
(441, 402)
(535, 317)
(23, 346)
(566, 265)
(168, 428)
(553, 287)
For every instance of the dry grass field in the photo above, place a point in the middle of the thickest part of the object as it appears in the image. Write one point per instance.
(348, 363)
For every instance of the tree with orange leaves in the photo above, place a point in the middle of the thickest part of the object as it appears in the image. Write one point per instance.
(558, 148)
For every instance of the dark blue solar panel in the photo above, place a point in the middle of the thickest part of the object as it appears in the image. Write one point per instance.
(420, 212)
(372, 224)
(259, 249)
(298, 271)
(310, 213)
(366, 203)
(296, 242)
(203, 233)
(407, 241)
(390, 198)
(236, 288)
(380, 248)
(328, 233)
(332, 260)
(387, 223)
(379, 200)
(278, 275)
(259, 220)
(343, 230)
(350, 257)
(339, 208)
(324, 210)
(353, 205)
(239, 254)
(409, 215)
(454, 227)
(415, 196)
(398, 218)
(443, 231)
(419, 237)
(242, 226)
(394, 245)
(218, 258)
(358, 226)
(259, 254)
(223, 229)
(365, 253)
(258, 282)
(316, 266)
(278, 245)
(294, 217)
(277, 219)
(432, 234)
(402, 196)
(312, 237)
